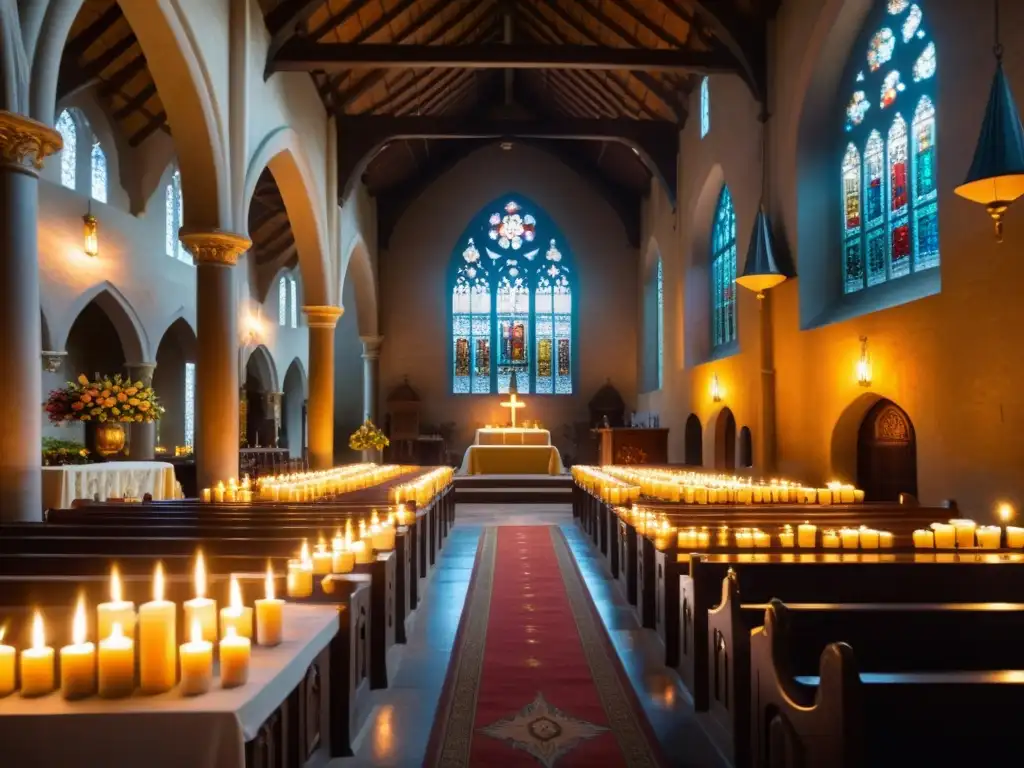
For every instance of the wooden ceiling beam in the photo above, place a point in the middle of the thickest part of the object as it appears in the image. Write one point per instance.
(351, 9)
(302, 56)
(286, 19)
(744, 37)
(155, 122)
(81, 42)
(80, 76)
(123, 76)
(135, 103)
(649, 24)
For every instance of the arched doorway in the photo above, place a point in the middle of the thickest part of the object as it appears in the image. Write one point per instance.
(262, 401)
(746, 450)
(174, 381)
(293, 426)
(693, 442)
(886, 453)
(725, 440)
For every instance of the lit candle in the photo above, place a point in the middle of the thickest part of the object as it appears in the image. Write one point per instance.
(234, 659)
(118, 610)
(885, 538)
(363, 553)
(343, 559)
(824, 496)
(300, 578)
(858, 496)
(383, 539)
(196, 663)
(201, 608)
(1005, 512)
(761, 539)
(78, 661)
(8, 657)
(236, 616)
(924, 539)
(269, 614)
(850, 537)
(786, 537)
(117, 665)
(744, 539)
(37, 676)
(989, 536)
(806, 534)
(868, 538)
(218, 493)
(964, 532)
(321, 559)
(945, 536)
(157, 636)
(1014, 537)
(830, 540)
(207, 496)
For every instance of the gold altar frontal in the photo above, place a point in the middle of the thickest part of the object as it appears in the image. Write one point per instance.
(515, 451)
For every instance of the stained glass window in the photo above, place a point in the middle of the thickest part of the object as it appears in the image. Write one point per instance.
(190, 405)
(889, 181)
(282, 302)
(68, 155)
(294, 293)
(173, 211)
(723, 271)
(99, 171)
(511, 311)
(705, 107)
(661, 328)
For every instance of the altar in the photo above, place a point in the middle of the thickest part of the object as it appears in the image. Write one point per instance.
(511, 451)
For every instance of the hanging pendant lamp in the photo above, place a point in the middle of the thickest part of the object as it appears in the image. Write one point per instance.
(996, 177)
(761, 272)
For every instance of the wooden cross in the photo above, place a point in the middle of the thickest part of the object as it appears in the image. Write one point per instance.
(514, 404)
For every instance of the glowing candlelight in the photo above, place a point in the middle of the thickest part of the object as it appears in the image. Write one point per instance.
(236, 615)
(116, 664)
(201, 608)
(196, 663)
(117, 610)
(8, 657)
(78, 660)
(157, 634)
(37, 674)
(269, 614)
(234, 659)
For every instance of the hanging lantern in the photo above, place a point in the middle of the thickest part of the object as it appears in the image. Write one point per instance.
(996, 177)
(716, 391)
(91, 229)
(760, 273)
(864, 364)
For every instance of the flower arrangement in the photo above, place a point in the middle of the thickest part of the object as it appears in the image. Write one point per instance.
(58, 453)
(109, 398)
(368, 438)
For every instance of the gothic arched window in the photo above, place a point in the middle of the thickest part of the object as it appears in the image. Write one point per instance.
(705, 107)
(512, 309)
(890, 206)
(69, 154)
(173, 210)
(723, 272)
(661, 327)
(282, 301)
(98, 159)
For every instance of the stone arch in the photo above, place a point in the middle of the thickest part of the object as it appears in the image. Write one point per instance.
(184, 83)
(45, 336)
(125, 319)
(723, 435)
(848, 435)
(182, 316)
(886, 453)
(693, 442)
(745, 450)
(295, 390)
(360, 271)
(261, 364)
(697, 301)
(175, 351)
(281, 152)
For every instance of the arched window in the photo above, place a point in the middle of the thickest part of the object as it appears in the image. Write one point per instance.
(723, 272)
(288, 302)
(282, 302)
(294, 293)
(653, 308)
(661, 328)
(99, 171)
(890, 206)
(69, 154)
(705, 107)
(190, 405)
(529, 323)
(173, 208)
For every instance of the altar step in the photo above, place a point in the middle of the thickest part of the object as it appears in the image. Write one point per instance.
(513, 489)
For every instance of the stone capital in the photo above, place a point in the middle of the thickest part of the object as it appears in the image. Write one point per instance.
(25, 143)
(323, 316)
(371, 346)
(141, 372)
(215, 247)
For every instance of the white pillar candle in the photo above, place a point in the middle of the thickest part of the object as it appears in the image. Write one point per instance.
(269, 614)
(37, 674)
(806, 535)
(363, 553)
(989, 536)
(78, 660)
(869, 538)
(850, 537)
(117, 611)
(207, 496)
(236, 615)
(761, 539)
(786, 537)
(234, 659)
(321, 560)
(1014, 537)
(196, 663)
(744, 539)
(157, 640)
(830, 540)
(885, 539)
(924, 539)
(8, 659)
(945, 536)
(824, 496)
(116, 665)
(964, 533)
(383, 538)
(343, 560)
(201, 608)
(858, 496)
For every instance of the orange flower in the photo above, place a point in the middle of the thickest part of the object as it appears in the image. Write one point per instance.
(122, 397)
(131, 391)
(138, 417)
(86, 398)
(77, 406)
(143, 407)
(83, 379)
(94, 392)
(110, 402)
(133, 401)
(105, 393)
(115, 389)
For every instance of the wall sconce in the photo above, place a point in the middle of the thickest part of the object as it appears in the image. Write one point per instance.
(1006, 512)
(252, 331)
(91, 228)
(864, 364)
(716, 391)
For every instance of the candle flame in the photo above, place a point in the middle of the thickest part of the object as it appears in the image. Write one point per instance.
(269, 582)
(116, 633)
(230, 632)
(236, 595)
(38, 634)
(115, 585)
(200, 574)
(158, 582)
(197, 632)
(3, 631)
(304, 553)
(78, 626)
(1006, 512)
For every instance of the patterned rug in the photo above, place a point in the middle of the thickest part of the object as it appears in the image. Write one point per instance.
(534, 679)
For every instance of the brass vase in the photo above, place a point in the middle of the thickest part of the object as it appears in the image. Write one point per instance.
(109, 439)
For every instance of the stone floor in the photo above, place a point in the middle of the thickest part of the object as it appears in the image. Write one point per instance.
(398, 728)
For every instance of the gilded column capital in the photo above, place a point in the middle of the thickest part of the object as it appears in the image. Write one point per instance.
(25, 143)
(214, 247)
(323, 316)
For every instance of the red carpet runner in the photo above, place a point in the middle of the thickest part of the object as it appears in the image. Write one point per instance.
(533, 677)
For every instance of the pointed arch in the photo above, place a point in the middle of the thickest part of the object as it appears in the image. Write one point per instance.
(693, 442)
(359, 270)
(723, 434)
(260, 363)
(125, 319)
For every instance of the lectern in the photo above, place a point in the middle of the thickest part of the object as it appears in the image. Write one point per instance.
(629, 445)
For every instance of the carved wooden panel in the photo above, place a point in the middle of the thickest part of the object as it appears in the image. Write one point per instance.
(266, 750)
(311, 714)
(891, 426)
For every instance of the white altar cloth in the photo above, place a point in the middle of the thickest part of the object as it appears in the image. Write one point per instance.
(511, 436)
(113, 479)
(168, 730)
(511, 451)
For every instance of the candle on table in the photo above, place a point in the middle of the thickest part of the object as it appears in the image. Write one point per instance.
(8, 657)
(786, 536)
(157, 639)
(344, 559)
(269, 614)
(824, 496)
(363, 554)
(989, 536)
(321, 559)
(117, 664)
(964, 532)
(383, 539)
(849, 537)
(761, 539)
(201, 608)
(806, 534)
(236, 615)
(207, 496)
(1014, 537)
(744, 539)
(945, 536)
(868, 538)
(78, 660)
(830, 540)
(196, 662)
(234, 659)
(923, 539)
(885, 539)
(218, 493)
(300, 578)
(37, 676)
(117, 610)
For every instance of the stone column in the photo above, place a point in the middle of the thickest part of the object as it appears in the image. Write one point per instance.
(24, 144)
(216, 253)
(371, 373)
(321, 321)
(142, 437)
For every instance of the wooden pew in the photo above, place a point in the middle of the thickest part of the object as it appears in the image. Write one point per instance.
(889, 637)
(340, 677)
(847, 717)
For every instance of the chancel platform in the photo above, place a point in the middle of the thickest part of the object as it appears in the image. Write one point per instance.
(512, 451)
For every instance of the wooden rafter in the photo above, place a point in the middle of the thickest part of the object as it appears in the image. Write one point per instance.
(337, 20)
(83, 75)
(134, 103)
(435, 102)
(154, 123)
(744, 37)
(81, 42)
(121, 78)
(648, 23)
(284, 20)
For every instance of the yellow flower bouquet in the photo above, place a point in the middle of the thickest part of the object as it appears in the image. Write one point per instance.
(368, 438)
(107, 399)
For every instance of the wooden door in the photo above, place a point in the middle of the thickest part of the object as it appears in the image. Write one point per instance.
(725, 440)
(886, 453)
(693, 449)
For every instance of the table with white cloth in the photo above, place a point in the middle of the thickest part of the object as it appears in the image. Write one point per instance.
(169, 730)
(511, 451)
(111, 480)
